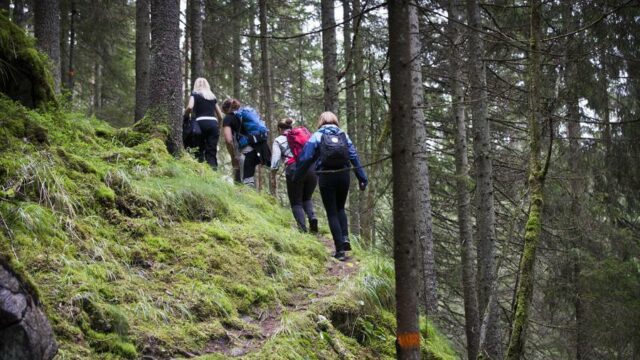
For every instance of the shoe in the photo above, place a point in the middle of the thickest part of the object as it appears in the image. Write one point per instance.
(346, 245)
(340, 255)
(313, 226)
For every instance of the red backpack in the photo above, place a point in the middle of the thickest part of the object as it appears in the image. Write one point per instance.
(296, 138)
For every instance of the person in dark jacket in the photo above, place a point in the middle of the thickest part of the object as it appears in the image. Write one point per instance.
(204, 105)
(332, 153)
(299, 192)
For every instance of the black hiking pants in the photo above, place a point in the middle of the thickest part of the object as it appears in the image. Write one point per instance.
(334, 188)
(208, 149)
(300, 194)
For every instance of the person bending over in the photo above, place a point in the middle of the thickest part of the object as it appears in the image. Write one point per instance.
(244, 157)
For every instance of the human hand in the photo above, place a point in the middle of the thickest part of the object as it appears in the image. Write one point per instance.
(363, 186)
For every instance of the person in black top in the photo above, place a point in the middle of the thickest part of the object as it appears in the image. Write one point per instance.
(243, 158)
(205, 107)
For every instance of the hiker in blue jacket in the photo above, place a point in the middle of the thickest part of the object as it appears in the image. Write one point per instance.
(332, 153)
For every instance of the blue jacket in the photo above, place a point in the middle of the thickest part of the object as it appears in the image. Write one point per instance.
(311, 153)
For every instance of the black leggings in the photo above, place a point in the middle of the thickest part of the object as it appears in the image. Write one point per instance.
(208, 149)
(300, 196)
(334, 188)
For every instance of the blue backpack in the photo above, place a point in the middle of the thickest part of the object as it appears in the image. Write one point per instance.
(252, 129)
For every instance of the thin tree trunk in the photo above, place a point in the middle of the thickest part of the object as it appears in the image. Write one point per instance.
(97, 84)
(186, 52)
(166, 75)
(329, 56)
(46, 27)
(237, 48)
(361, 113)
(65, 15)
(266, 80)
(18, 15)
(197, 59)
(485, 212)
(143, 39)
(575, 186)
(253, 58)
(524, 293)
(472, 317)
(350, 113)
(408, 120)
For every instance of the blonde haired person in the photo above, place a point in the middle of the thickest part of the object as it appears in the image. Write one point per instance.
(299, 192)
(332, 154)
(204, 105)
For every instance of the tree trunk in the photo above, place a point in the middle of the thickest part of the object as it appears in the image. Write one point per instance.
(253, 58)
(576, 186)
(18, 15)
(143, 39)
(72, 44)
(361, 113)
(524, 293)
(350, 117)
(408, 129)
(65, 15)
(237, 49)
(471, 313)
(266, 80)
(46, 27)
(186, 53)
(329, 56)
(165, 100)
(485, 212)
(197, 59)
(97, 84)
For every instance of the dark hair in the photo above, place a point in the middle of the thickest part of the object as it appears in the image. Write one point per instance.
(285, 124)
(230, 105)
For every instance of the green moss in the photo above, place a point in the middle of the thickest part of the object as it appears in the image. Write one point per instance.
(20, 60)
(105, 195)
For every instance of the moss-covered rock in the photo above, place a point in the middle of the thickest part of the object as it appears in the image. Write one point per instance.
(24, 72)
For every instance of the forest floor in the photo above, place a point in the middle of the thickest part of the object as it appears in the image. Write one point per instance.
(268, 323)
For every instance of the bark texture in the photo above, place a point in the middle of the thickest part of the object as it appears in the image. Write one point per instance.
(491, 343)
(266, 81)
(350, 113)
(71, 72)
(237, 49)
(329, 56)
(524, 292)
(195, 30)
(407, 120)
(165, 100)
(472, 316)
(46, 27)
(143, 56)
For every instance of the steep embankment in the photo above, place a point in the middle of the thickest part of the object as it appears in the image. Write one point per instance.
(135, 254)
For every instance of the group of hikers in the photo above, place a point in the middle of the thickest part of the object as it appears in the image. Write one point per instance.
(323, 158)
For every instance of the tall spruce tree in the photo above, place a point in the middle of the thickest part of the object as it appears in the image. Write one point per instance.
(165, 101)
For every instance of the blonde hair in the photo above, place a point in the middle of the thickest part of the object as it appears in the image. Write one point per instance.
(201, 86)
(328, 117)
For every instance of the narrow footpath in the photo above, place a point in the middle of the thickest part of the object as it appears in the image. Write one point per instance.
(266, 324)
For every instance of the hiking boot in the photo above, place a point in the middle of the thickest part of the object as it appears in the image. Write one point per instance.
(346, 245)
(340, 255)
(313, 226)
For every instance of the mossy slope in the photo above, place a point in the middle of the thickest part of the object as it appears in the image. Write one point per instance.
(134, 252)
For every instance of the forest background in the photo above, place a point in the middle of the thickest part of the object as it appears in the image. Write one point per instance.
(530, 120)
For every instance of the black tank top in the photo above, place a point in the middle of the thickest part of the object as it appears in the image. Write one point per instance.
(202, 106)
